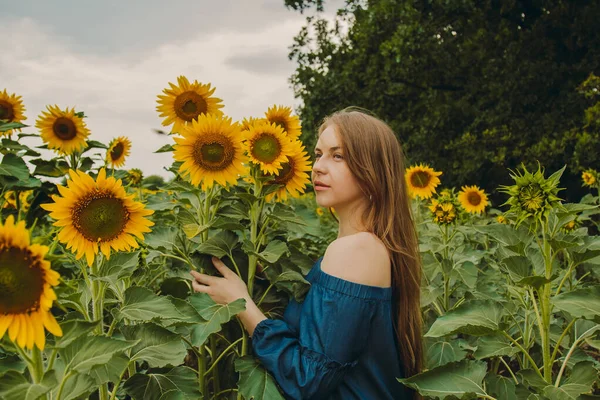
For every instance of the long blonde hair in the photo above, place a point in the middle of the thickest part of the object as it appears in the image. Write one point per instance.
(374, 156)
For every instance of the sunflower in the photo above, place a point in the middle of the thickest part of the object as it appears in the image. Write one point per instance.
(11, 110)
(589, 177)
(421, 181)
(10, 200)
(292, 174)
(248, 122)
(268, 146)
(97, 214)
(118, 149)
(211, 150)
(319, 211)
(444, 211)
(26, 293)
(501, 219)
(184, 103)
(63, 131)
(473, 199)
(135, 176)
(570, 226)
(282, 116)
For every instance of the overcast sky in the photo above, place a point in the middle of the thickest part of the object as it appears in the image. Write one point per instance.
(112, 58)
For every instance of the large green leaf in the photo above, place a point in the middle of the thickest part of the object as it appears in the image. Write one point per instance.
(158, 346)
(78, 387)
(14, 386)
(88, 351)
(72, 330)
(442, 352)
(466, 273)
(120, 265)
(580, 303)
(453, 379)
(154, 385)
(219, 245)
(162, 238)
(254, 381)
(142, 304)
(580, 381)
(53, 168)
(214, 315)
(474, 317)
(110, 371)
(494, 346)
(14, 167)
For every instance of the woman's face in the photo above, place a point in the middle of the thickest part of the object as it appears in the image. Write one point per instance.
(330, 168)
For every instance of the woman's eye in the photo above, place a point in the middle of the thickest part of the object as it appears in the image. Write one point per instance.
(317, 155)
(338, 155)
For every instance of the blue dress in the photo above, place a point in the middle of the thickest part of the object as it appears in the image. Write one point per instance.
(339, 343)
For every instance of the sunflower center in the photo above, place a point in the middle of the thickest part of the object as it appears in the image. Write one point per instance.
(21, 281)
(531, 197)
(100, 217)
(420, 179)
(117, 151)
(266, 148)
(64, 128)
(214, 152)
(6, 111)
(285, 173)
(474, 198)
(188, 105)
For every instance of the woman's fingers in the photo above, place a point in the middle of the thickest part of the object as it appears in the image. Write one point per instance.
(199, 287)
(222, 268)
(203, 278)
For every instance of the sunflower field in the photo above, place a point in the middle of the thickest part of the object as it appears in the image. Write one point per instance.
(95, 290)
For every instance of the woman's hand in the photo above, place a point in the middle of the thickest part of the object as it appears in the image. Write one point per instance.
(222, 290)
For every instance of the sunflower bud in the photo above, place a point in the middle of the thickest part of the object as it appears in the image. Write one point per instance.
(533, 196)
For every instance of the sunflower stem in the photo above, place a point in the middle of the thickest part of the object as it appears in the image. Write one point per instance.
(38, 365)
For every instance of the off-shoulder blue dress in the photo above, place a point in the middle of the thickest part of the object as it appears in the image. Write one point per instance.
(338, 344)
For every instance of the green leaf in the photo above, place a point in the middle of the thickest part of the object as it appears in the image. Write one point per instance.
(284, 213)
(110, 371)
(214, 315)
(165, 149)
(78, 387)
(503, 234)
(120, 266)
(158, 346)
(88, 351)
(583, 377)
(494, 346)
(532, 379)
(274, 250)
(219, 245)
(16, 146)
(466, 273)
(501, 387)
(14, 166)
(14, 386)
(72, 330)
(453, 379)
(580, 303)
(11, 125)
(142, 304)
(254, 381)
(474, 317)
(154, 385)
(163, 238)
(12, 363)
(53, 168)
(441, 352)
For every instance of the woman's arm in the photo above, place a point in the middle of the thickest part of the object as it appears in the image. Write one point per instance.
(251, 317)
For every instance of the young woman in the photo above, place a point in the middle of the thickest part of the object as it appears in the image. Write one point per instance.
(359, 327)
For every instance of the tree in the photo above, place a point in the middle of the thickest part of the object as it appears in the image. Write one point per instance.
(471, 87)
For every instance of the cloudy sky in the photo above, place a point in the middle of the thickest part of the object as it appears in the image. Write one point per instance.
(112, 58)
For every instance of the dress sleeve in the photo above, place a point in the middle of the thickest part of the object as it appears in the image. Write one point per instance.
(335, 321)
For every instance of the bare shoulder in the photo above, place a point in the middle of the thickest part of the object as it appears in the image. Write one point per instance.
(360, 258)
